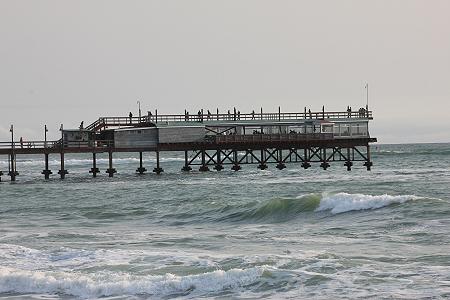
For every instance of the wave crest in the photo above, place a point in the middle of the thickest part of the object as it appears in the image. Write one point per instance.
(104, 284)
(344, 202)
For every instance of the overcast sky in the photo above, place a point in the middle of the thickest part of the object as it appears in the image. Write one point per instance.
(68, 61)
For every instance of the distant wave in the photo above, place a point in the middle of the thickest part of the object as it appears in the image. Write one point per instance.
(343, 202)
(285, 209)
(104, 284)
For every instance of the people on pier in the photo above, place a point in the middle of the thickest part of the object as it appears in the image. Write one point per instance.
(253, 114)
(349, 111)
(131, 116)
(149, 116)
(209, 114)
(82, 125)
(21, 142)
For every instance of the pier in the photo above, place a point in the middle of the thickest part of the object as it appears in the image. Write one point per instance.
(211, 141)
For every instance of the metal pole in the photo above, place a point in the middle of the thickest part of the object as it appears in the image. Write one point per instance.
(45, 136)
(139, 105)
(12, 172)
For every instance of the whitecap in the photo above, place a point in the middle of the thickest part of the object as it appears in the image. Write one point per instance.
(344, 202)
(103, 284)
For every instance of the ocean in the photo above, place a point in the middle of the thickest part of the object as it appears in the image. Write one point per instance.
(251, 234)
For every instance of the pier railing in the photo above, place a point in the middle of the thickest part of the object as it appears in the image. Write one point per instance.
(105, 122)
(280, 137)
(56, 144)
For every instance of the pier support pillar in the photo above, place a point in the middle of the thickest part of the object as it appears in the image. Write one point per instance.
(262, 165)
(46, 172)
(110, 170)
(203, 167)
(186, 167)
(158, 170)
(12, 167)
(348, 163)
(236, 166)
(218, 166)
(368, 164)
(141, 169)
(94, 170)
(306, 165)
(280, 165)
(324, 165)
(62, 172)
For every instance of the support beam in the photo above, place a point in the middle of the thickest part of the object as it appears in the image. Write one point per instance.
(323, 155)
(368, 164)
(280, 165)
(236, 166)
(158, 170)
(62, 172)
(186, 167)
(348, 162)
(12, 169)
(110, 170)
(218, 166)
(94, 170)
(262, 165)
(141, 169)
(306, 164)
(46, 172)
(203, 167)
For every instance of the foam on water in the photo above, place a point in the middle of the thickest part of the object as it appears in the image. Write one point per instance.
(110, 284)
(344, 202)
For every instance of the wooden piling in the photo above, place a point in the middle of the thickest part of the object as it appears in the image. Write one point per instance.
(158, 170)
(110, 170)
(141, 170)
(46, 172)
(62, 172)
(94, 170)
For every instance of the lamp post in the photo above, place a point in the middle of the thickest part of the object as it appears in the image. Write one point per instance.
(45, 136)
(139, 106)
(12, 171)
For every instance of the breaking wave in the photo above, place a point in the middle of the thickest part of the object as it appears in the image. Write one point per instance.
(285, 209)
(106, 284)
(343, 202)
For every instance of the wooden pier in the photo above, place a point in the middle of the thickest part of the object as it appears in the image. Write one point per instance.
(212, 140)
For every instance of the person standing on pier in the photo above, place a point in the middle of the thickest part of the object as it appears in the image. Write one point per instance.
(131, 116)
(21, 142)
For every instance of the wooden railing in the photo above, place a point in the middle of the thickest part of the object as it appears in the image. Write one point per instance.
(283, 137)
(104, 122)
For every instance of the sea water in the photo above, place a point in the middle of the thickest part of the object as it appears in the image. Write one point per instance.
(292, 234)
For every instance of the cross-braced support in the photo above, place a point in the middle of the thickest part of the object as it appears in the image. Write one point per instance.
(324, 156)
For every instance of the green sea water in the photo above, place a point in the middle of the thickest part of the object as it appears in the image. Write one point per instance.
(251, 234)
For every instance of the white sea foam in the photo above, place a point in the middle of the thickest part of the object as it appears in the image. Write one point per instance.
(343, 202)
(107, 284)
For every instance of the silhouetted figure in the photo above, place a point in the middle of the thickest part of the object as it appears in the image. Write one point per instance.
(310, 114)
(131, 116)
(21, 142)
(253, 114)
(349, 111)
(209, 114)
(82, 125)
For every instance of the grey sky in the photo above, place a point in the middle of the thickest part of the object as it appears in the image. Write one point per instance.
(68, 61)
